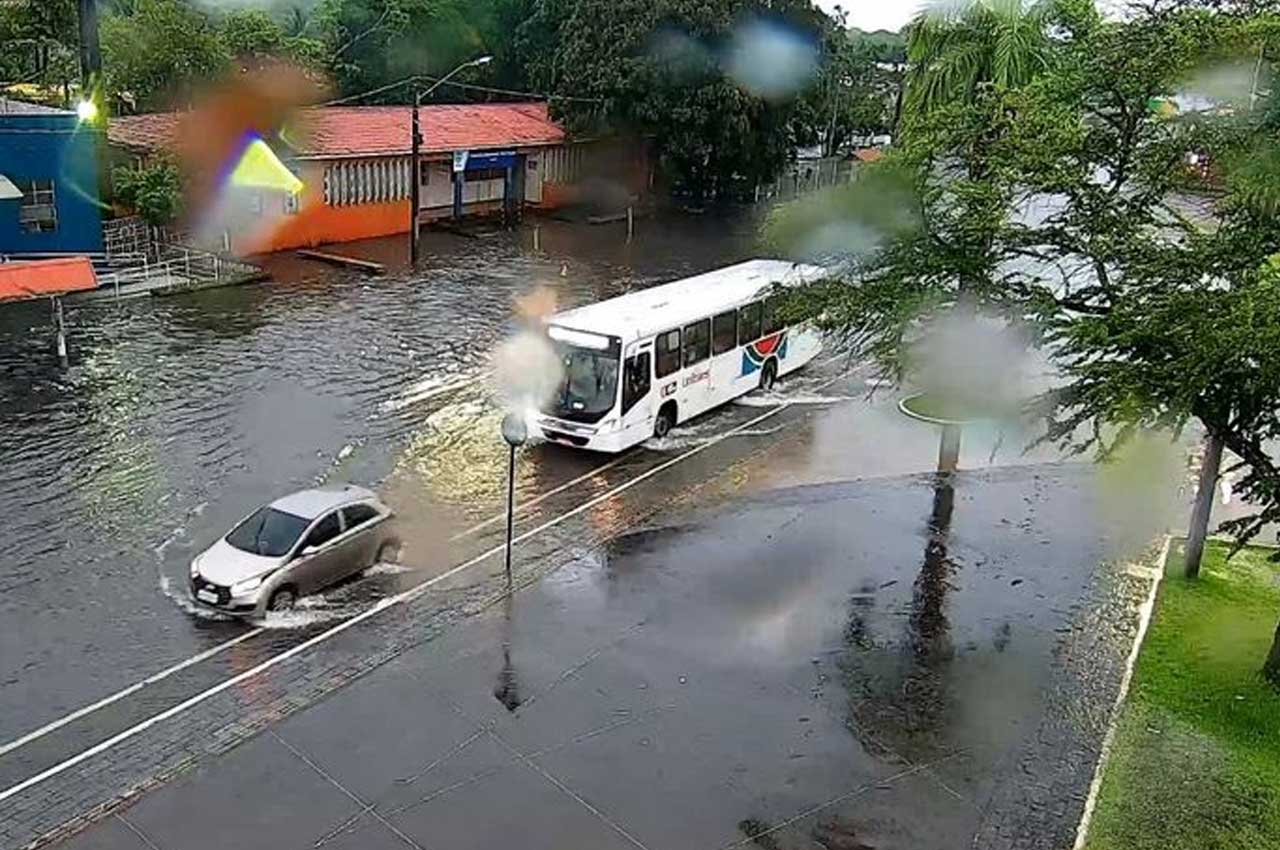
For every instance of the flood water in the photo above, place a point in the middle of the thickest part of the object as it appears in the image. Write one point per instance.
(178, 415)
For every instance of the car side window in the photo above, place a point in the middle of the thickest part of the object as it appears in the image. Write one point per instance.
(357, 515)
(327, 529)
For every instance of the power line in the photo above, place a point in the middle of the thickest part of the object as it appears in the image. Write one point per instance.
(474, 87)
(538, 95)
(370, 93)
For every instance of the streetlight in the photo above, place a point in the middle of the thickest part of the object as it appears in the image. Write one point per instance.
(415, 179)
(515, 432)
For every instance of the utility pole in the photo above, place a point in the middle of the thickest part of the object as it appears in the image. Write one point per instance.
(415, 182)
(415, 152)
(90, 50)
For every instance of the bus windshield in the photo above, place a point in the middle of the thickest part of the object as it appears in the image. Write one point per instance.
(589, 388)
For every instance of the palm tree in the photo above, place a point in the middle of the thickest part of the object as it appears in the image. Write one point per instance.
(951, 55)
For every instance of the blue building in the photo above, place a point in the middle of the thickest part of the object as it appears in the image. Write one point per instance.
(49, 200)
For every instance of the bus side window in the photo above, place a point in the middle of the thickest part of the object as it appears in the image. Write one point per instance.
(724, 332)
(697, 342)
(749, 323)
(635, 380)
(668, 356)
(772, 324)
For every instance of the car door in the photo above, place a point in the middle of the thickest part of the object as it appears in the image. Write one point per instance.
(318, 562)
(362, 536)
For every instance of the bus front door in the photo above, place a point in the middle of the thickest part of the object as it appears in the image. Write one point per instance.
(637, 397)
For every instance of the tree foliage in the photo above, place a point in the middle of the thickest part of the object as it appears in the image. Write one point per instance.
(1146, 278)
(161, 53)
(153, 190)
(665, 70)
(953, 52)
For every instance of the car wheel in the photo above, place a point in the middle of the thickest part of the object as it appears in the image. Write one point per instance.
(769, 376)
(282, 600)
(665, 422)
(388, 553)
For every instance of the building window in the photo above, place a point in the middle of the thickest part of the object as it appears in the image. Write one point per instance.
(485, 174)
(255, 203)
(291, 203)
(38, 212)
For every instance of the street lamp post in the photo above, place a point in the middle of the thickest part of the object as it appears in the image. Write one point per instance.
(415, 179)
(515, 432)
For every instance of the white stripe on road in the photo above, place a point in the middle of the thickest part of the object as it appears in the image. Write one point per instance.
(132, 689)
(519, 507)
(212, 651)
(389, 602)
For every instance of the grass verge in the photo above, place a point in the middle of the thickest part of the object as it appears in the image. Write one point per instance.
(1195, 763)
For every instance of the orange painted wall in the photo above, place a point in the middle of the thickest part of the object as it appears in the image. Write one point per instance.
(318, 223)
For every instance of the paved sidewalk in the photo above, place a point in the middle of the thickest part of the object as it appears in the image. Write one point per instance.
(882, 664)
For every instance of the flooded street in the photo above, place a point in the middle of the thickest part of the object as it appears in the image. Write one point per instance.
(179, 415)
(779, 566)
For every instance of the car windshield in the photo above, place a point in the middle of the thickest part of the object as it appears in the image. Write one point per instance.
(268, 532)
(590, 381)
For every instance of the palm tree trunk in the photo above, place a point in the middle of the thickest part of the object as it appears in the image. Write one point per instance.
(1203, 507)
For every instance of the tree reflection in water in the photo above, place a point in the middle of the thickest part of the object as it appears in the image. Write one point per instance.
(897, 687)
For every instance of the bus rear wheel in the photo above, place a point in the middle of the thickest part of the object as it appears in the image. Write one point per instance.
(665, 422)
(769, 376)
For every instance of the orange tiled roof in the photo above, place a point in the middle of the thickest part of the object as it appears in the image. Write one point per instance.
(36, 278)
(868, 154)
(340, 131)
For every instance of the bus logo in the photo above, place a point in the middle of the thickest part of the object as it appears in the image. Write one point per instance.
(755, 354)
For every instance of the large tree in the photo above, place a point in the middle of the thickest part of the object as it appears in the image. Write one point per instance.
(41, 43)
(953, 52)
(1143, 270)
(665, 70)
(158, 55)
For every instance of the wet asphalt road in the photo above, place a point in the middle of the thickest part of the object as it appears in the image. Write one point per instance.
(846, 665)
(818, 427)
(178, 415)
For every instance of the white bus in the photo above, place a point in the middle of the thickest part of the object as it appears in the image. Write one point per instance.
(637, 365)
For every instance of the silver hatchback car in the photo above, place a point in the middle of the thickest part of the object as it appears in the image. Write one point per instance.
(295, 546)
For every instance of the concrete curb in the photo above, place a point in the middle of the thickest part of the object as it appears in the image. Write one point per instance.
(1144, 621)
(906, 410)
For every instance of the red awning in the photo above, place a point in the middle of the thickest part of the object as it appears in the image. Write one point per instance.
(38, 278)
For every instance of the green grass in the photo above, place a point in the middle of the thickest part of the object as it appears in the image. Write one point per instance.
(1196, 760)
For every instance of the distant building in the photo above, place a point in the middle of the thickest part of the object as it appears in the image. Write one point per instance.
(48, 182)
(354, 163)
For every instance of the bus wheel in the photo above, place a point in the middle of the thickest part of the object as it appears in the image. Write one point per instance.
(769, 375)
(665, 422)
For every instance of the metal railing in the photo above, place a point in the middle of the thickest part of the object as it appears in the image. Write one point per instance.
(175, 265)
(808, 176)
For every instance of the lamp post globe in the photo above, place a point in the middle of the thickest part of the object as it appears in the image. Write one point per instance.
(514, 430)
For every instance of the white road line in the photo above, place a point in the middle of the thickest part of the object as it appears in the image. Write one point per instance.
(521, 506)
(132, 689)
(388, 602)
